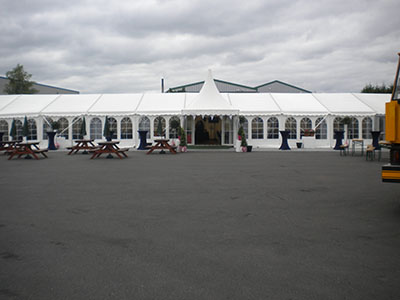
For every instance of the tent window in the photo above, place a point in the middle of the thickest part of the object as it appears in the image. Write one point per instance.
(32, 130)
(257, 128)
(353, 129)
(96, 132)
(321, 132)
(173, 132)
(144, 125)
(367, 128)
(76, 128)
(4, 129)
(113, 127)
(159, 126)
(228, 130)
(291, 126)
(46, 127)
(273, 128)
(305, 124)
(337, 124)
(63, 127)
(126, 128)
(18, 127)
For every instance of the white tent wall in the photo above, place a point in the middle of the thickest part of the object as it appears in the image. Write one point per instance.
(257, 143)
(136, 106)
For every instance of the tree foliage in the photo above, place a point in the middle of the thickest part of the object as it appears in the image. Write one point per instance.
(377, 89)
(182, 142)
(19, 82)
(243, 142)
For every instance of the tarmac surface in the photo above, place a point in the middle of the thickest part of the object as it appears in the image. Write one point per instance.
(199, 225)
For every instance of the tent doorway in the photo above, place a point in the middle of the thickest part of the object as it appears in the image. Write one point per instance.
(207, 131)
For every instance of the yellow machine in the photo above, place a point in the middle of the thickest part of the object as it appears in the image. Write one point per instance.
(391, 172)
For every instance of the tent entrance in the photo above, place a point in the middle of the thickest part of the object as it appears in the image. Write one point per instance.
(207, 131)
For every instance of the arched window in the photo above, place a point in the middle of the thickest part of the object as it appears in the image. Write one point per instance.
(4, 129)
(353, 129)
(18, 127)
(46, 126)
(174, 124)
(291, 126)
(273, 128)
(159, 126)
(32, 130)
(245, 124)
(63, 130)
(338, 125)
(305, 125)
(257, 128)
(321, 132)
(76, 128)
(367, 128)
(144, 125)
(96, 130)
(126, 128)
(113, 127)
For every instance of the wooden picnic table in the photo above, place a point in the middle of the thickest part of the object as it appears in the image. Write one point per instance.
(162, 144)
(110, 147)
(27, 149)
(82, 144)
(7, 146)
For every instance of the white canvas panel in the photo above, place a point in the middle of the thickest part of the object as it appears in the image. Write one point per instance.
(116, 104)
(254, 103)
(209, 101)
(158, 104)
(299, 104)
(6, 100)
(375, 101)
(345, 104)
(71, 105)
(29, 105)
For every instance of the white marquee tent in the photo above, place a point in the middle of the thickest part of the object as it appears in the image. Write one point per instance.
(264, 114)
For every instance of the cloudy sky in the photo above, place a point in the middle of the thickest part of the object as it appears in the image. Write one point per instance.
(98, 46)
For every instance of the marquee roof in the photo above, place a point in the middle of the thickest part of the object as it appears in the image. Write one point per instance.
(14, 106)
(208, 102)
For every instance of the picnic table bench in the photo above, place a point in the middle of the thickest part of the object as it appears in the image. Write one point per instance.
(27, 149)
(110, 147)
(162, 144)
(7, 146)
(82, 144)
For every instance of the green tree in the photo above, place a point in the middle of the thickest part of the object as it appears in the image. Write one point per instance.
(182, 142)
(377, 89)
(19, 82)
(243, 142)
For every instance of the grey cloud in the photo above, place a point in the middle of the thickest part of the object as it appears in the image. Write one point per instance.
(126, 46)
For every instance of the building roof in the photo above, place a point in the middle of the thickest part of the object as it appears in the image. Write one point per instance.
(275, 86)
(42, 88)
(223, 86)
(281, 83)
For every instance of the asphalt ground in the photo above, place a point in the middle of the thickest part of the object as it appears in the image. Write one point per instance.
(199, 225)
